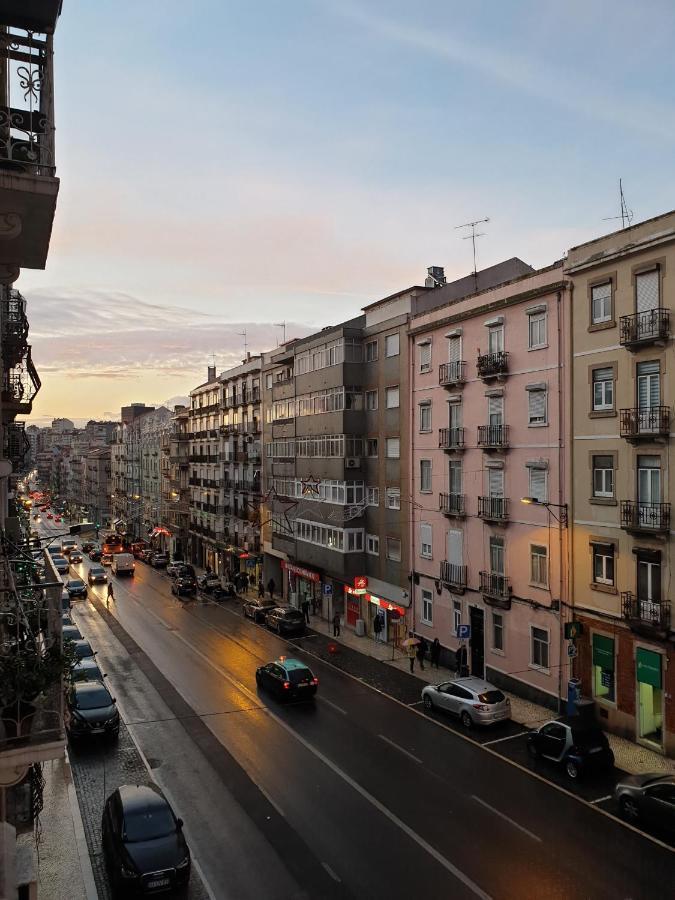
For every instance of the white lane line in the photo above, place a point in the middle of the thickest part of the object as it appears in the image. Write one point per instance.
(334, 705)
(509, 737)
(400, 749)
(601, 799)
(416, 703)
(332, 873)
(269, 799)
(506, 818)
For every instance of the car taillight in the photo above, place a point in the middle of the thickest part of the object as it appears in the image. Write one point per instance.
(482, 706)
(315, 680)
(287, 684)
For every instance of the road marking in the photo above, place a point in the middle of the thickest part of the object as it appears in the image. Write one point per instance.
(332, 874)
(416, 703)
(334, 705)
(601, 799)
(509, 737)
(271, 801)
(391, 743)
(506, 818)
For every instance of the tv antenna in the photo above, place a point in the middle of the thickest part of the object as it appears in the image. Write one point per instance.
(281, 325)
(243, 334)
(626, 214)
(472, 237)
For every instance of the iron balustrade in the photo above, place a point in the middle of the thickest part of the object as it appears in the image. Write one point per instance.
(493, 508)
(452, 373)
(491, 365)
(645, 612)
(644, 327)
(451, 438)
(452, 574)
(648, 517)
(495, 586)
(493, 436)
(452, 504)
(645, 423)
(20, 385)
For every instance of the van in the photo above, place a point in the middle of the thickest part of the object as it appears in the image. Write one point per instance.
(123, 564)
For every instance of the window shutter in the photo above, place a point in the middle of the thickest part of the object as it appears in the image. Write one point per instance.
(454, 349)
(647, 288)
(495, 408)
(538, 483)
(454, 548)
(537, 406)
(425, 357)
(425, 534)
(495, 483)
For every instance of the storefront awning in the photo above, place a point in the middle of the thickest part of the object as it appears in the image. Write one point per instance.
(298, 570)
(160, 530)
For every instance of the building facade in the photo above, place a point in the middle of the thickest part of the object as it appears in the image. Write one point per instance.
(624, 291)
(176, 487)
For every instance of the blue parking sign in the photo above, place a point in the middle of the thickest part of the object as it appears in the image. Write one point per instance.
(464, 632)
(328, 589)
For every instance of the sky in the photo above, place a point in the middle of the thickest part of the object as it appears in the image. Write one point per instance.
(228, 165)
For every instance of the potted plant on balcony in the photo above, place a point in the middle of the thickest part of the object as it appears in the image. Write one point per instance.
(24, 677)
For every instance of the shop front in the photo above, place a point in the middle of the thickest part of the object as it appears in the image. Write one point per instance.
(386, 620)
(301, 584)
(649, 700)
(239, 563)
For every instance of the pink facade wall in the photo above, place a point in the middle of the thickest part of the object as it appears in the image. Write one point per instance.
(541, 445)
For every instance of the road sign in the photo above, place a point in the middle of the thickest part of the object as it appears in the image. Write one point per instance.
(464, 632)
(327, 590)
(571, 650)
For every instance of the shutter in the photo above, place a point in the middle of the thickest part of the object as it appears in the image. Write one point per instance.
(538, 483)
(537, 406)
(495, 483)
(425, 357)
(495, 410)
(454, 542)
(455, 477)
(454, 349)
(455, 415)
(425, 534)
(647, 289)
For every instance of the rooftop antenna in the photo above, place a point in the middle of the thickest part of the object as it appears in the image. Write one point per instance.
(281, 325)
(243, 334)
(472, 237)
(626, 214)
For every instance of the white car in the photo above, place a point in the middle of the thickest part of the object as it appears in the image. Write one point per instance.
(473, 700)
(173, 569)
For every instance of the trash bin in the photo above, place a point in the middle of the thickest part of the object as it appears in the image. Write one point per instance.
(573, 695)
(360, 627)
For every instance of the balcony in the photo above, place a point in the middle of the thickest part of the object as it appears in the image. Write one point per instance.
(645, 617)
(452, 505)
(493, 365)
(644, 328)
(17, 444)
(493, 509)
(452, 374)
(454, 576)
(645, 518)
(645, 424)
(495, 589)
(14, 327)
(32, 15)
(451, 439)
(20, 385)
(493, 437)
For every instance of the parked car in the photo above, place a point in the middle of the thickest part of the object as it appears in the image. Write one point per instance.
(287, 678)
(86, 670)
(159, 560)
(648, 799)
(183, 585)
(208, 582)
(83, 649)
(580, 746)
(91, 710)
(473, 700)
(138, 547)
(187, 569)
(95, 554)
(97, 575)
(75, 557)
(258, 609)
(61, 564)
(144, 848)
(66, 618)
(145, 555)
(106, 559)
(285, 620)
(173, 569)
(71, 632)
(76, 588)
(66, 605)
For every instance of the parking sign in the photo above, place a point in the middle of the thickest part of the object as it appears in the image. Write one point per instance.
(464, 632)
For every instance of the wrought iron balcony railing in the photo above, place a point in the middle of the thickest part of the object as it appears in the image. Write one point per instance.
(645, 517)
(14, 324)
(493, 437)
(20, 385)
(451, 438)
(645, 424)
(492, 365)
(452, 374)
(452, 504)
(495, 509)
(453, 575)
(644, 327)
(645, 615)
(17, 444)
(496, 589)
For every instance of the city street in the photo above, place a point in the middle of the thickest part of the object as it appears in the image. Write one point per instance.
(309, 800)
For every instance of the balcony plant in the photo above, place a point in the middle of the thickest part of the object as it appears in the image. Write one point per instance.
(25, 676)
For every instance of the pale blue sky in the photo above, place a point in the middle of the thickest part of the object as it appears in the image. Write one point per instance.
(246, 162)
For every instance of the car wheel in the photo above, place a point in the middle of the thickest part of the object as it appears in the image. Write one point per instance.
(532, 749)
(466, 719)
(572, 769)
(629, 809)
(428, 702)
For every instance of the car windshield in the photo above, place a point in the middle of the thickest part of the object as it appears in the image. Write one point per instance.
(588, 737)
(97, 570)
(296, 676)
(76, 584)
(148, 824)
(494, 696)
(292, 614)
(92, 699)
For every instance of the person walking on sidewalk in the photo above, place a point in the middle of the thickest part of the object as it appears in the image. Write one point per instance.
(305, 610)
(412, 651)
(111, 595)
(270, 587)
(261, 589)
(421, 652)
(336, 625)
(435, 652)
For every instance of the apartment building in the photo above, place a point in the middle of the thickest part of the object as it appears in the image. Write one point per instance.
(176, 489)
(623, 389)
(97, 485)
(489, 405)
(206, 527)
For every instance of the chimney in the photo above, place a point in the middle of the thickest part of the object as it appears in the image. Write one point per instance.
(212, 373)
(435, 277)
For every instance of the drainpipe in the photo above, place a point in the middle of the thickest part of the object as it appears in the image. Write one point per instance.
(411, 477)
(567, 371)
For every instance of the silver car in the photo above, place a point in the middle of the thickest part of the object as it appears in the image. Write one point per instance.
(473, 700)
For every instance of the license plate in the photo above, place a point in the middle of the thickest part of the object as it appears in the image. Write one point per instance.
(97, 730)
(159, 882)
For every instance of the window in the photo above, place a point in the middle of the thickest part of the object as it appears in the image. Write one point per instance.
(425, 417)
(455, 476)
(538, 484)
(537, 330)
(603, 563)
(456, 615)
(603, 389)
(393, 448)
(269, 380)
(498, 632)
(603, 667)
(425, 476)
(496, 483)
(392, 397)
(392, 498)
(539, 647)
(371, 399)
(497, 555)
(394, 549)
(425, 357)
(373, 496)
(601, 303)
(371, 351)
(648, 580)
(647, 291)
(539, 565)
(426, 540)
(427, 607)
(496, 339)
(536, 407)
(603, 476)
(373, 544)
(391, 345)
(371, 447)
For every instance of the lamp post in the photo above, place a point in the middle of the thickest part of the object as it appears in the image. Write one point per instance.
(562, 517)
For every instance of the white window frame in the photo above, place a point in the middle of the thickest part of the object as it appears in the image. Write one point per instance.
(425, 417)
(426, 548)
(392, 498)
(373, 496)
(370, 396)
(605, 494)
(493, 631)
(531, 489)
(388, 340)
(427, 617)
(429, 488)
(534, 553)
(392, 393)
(425, 357)
(604, 317)
(601, 404)
(387, 443)
(604, 553)
(540, 666)
(531, 397)
(374, 356)
(390, 541)
(535, 320)
(373, 544)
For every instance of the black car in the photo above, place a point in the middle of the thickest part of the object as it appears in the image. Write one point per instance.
(183, 585)
(86, 670)
(82, 649)
(286, 620)
(648, 799)
(144, 847)
(76, 588)
(91, 711)
(573, 742)
(287, 679)
(258, 609)
(95, 555)
(159, 560)
(71, 632)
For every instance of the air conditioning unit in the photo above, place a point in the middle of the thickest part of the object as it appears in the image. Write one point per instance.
(353, 462)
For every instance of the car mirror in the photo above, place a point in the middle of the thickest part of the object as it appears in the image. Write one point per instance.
(179, 824)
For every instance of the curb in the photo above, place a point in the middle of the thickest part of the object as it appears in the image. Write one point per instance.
(80, 839)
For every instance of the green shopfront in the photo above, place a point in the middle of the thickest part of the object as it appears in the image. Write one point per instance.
(649, 701)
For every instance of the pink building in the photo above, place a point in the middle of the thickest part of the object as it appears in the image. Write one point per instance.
(491, 404)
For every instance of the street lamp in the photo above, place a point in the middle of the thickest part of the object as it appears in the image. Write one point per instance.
(534, 501)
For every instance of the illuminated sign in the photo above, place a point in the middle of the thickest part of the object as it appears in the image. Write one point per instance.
(360, 582)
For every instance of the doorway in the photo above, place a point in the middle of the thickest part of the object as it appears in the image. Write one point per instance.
(477, 622)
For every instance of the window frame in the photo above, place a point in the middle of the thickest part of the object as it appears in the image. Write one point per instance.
(388, 391)
(425, 364)
(429, 468)
(533, 421)
(531, 490)
(536, 319)
(608, 698)
(605, 552)
(427, 607)
(389, 540)
(428, 553)
(392, 494)
(375, 355)
(370, 394)
(387, 339)
(493, 631)
(540, 666)
(372, 444)
(387, 454)
(373, 544)
(603, 320)
(372, 499)
(602, 495)
(603, 406)
(425, 407)
(539, 556)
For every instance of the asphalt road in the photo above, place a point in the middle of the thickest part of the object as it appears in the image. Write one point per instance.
(356, 795)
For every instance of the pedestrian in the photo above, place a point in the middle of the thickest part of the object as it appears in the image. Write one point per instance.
(421, 652)
(435, 652)
(261, 590)
(305, 610)
(460, 661)
(411, 656)
(270, 587)
(111, 595)
(251, 581)
(336, 625)
(208, 570)
(314, 604)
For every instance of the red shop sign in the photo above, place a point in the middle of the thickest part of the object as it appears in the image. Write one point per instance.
(360, 582)
(298, 570)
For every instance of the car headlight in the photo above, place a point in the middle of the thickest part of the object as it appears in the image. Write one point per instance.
(184, 864)
(126, 872)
